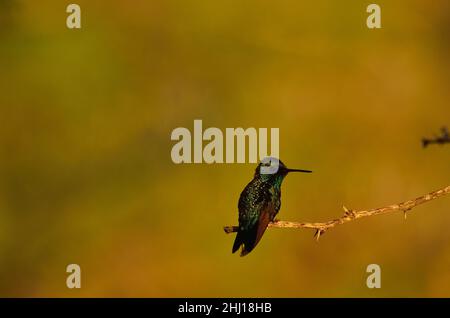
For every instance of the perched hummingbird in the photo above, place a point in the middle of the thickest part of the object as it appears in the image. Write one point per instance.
(260, 202)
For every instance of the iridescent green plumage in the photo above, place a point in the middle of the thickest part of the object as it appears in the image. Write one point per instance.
(259, 203)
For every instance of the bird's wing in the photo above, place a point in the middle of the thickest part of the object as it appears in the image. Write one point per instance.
(264, 219)
(252, 237)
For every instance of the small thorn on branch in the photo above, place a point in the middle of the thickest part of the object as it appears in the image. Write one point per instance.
(318, 233)
(405, 212)
(348, 212)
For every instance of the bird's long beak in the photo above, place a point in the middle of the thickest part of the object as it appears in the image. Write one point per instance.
(298, 170)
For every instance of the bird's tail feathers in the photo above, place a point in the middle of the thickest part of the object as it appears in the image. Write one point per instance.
(238, 241)
(247, 239)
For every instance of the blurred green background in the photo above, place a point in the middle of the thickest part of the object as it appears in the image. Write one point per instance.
(86, 175)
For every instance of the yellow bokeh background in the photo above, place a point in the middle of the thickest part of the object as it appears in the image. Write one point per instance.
(86, 175)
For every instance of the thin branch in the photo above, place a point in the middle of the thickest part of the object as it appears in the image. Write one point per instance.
(440, 140)
(350, 215)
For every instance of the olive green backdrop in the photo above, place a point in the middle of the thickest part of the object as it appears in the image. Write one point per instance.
(86, 175)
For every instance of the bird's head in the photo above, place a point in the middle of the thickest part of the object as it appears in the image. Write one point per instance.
(271, 168)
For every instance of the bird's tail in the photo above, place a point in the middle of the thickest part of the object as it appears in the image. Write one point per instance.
(238, 241)
(247, 238)
(425, 142)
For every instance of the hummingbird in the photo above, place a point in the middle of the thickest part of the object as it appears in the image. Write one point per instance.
(260, 202)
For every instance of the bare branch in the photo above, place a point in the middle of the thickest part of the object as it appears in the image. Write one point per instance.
(440, 140)
(350, 215)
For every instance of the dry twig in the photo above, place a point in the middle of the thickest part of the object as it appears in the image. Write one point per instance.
(350, 215)
(439, 140)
